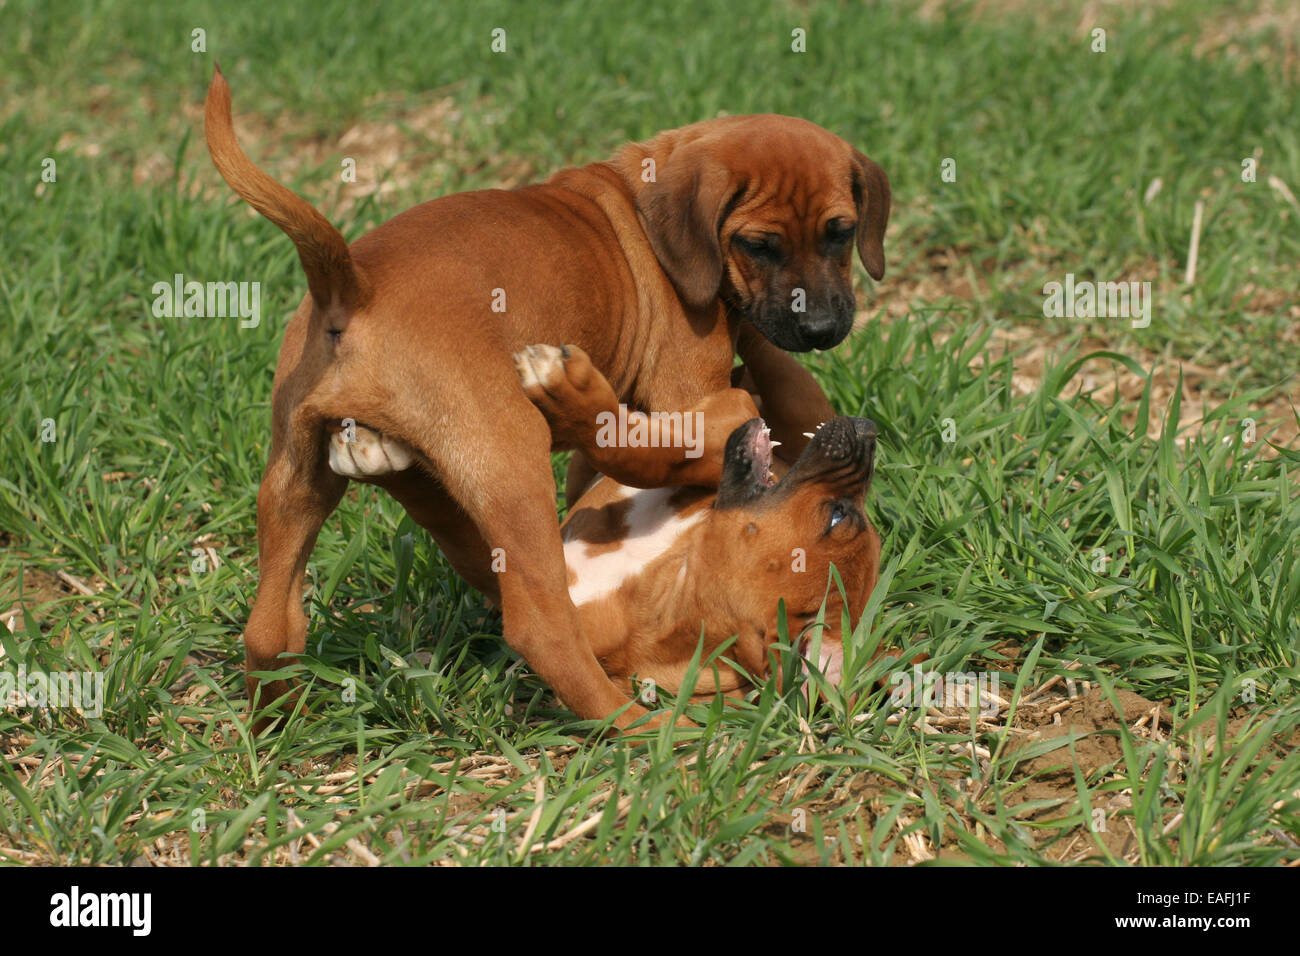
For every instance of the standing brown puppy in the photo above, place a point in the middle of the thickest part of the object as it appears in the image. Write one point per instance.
(728, 236)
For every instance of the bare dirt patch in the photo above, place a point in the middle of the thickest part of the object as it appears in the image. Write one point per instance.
(1104, 380)
(1089, 728)
(405, 143)
(27, 591)
(1263, 30)
(946, 274)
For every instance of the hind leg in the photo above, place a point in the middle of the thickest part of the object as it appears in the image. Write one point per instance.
(488, 447)
(429, 506)
(495, 517)
(365, 455)
(298, 492)
(514, 508)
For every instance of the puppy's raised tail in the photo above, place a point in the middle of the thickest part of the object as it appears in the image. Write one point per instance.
(337, 285)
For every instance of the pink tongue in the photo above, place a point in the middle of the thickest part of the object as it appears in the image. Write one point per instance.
(762, 453)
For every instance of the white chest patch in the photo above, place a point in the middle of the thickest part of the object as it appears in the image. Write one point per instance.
(653, 526)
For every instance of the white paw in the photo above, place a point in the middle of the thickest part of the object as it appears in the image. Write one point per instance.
(540, 366)
(360, 452)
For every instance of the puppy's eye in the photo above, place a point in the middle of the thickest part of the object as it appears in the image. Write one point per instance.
(759, 247)
(839, 511)
(840, 232)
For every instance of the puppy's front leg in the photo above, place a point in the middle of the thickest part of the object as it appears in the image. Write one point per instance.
(793, 402)
(635, 448)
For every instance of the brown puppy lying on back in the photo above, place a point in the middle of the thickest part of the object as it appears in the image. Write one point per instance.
(731, 236)
(651, 570)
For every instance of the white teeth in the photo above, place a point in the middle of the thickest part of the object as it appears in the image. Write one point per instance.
(776, 444)
(809, 435)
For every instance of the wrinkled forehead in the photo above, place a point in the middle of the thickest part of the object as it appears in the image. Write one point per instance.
(790, 201)
(801, 165)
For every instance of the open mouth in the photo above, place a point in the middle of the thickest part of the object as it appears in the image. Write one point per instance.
(747, 464)
(760, 453)
(842, 451)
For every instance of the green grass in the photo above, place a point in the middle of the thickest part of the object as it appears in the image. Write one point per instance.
(428, 740)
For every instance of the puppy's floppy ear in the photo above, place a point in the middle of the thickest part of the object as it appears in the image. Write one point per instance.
(681, 212)
(871, 190)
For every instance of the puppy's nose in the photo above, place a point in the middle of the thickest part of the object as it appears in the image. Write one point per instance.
(820, 330)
